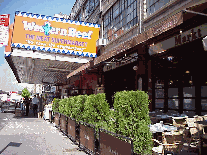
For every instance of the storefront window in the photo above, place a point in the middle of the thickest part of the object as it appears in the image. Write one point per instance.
(159, 93)
(204, 104)
(172, 92)
(173, 103)
(204, 113)
(189, 91)
(189, 113)
(203, 91)
(159, 103)
(189, 104)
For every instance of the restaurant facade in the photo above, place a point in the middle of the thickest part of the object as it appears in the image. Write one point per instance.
(163, 54)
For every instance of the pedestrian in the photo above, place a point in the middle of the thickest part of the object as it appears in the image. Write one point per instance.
(35, 102)
(26, 102)
(30, 101)
(40, 106)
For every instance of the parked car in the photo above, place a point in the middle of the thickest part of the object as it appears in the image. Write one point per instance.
(8, 107)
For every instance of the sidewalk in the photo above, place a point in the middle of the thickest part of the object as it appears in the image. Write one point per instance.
(29, 135)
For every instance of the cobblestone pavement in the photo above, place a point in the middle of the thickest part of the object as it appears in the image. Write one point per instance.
(27, 135)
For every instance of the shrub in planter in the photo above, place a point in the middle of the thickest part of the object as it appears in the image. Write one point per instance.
(55, 105)
(62, 106)
(68, 106)
(78, 107)
(131, 115)
(96, 111)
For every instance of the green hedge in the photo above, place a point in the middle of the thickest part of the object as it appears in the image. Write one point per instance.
(77, 105)
(129, 118)
(96, 111)
(55, 105)
(131, 115)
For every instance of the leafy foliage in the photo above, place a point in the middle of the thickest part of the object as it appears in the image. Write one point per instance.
(130, 116)
(25, 93)
(55, 105)
(132, 119)
(96, 111)
(62, 106)
(78, 107)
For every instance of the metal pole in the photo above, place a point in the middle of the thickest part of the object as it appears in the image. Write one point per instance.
(140, 16)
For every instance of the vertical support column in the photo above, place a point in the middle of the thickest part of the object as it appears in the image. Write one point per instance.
(81, 86)
(197, 83)
(145, 63)
(180, 94)
(136, 75)
(150, 83)
(153, 83)
(166, 94)
(100, 76)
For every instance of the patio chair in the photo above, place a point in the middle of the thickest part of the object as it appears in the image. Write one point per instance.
(172, 143)
(195, 133)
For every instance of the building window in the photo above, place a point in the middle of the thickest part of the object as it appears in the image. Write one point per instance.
(96, 3)
(154, 5)
(87, 9)
(189, 94)
(119, 18)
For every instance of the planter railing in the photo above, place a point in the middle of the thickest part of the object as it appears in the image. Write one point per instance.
(109, 144)
(63, 124)
(87, 137)
(72, 129)
(57, 120)
(50, 116)
(84, 135)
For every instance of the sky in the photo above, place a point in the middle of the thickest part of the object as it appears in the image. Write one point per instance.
(8, 81)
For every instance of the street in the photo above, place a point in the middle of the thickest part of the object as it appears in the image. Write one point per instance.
(31, 135)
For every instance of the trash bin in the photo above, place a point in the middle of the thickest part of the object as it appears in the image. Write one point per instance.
(18, 112)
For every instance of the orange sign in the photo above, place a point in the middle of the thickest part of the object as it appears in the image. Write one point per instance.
(51, 34)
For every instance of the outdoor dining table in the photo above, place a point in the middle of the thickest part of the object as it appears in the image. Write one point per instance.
(164, 118)
(158, 128)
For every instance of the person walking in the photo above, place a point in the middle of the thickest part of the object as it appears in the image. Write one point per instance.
(35, 102)
(26, 102)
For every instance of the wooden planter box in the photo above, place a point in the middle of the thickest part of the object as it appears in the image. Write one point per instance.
(71, 129)
(87, 138)
(50, 116)
(63, 123)
(57, 119)
(109, 144)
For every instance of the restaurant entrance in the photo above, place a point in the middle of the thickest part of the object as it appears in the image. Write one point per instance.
(179, 79)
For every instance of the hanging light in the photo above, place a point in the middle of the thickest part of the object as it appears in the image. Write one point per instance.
(135, 68)
(170, 58)
(187, 72)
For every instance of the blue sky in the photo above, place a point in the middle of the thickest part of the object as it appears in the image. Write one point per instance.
(44, 7)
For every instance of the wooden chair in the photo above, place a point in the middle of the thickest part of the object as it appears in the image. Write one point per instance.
(195, 133)
(158, 148)
(172, 143)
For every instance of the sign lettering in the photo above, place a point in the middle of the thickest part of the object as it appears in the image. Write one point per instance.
(187, 36)
(57, 35)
